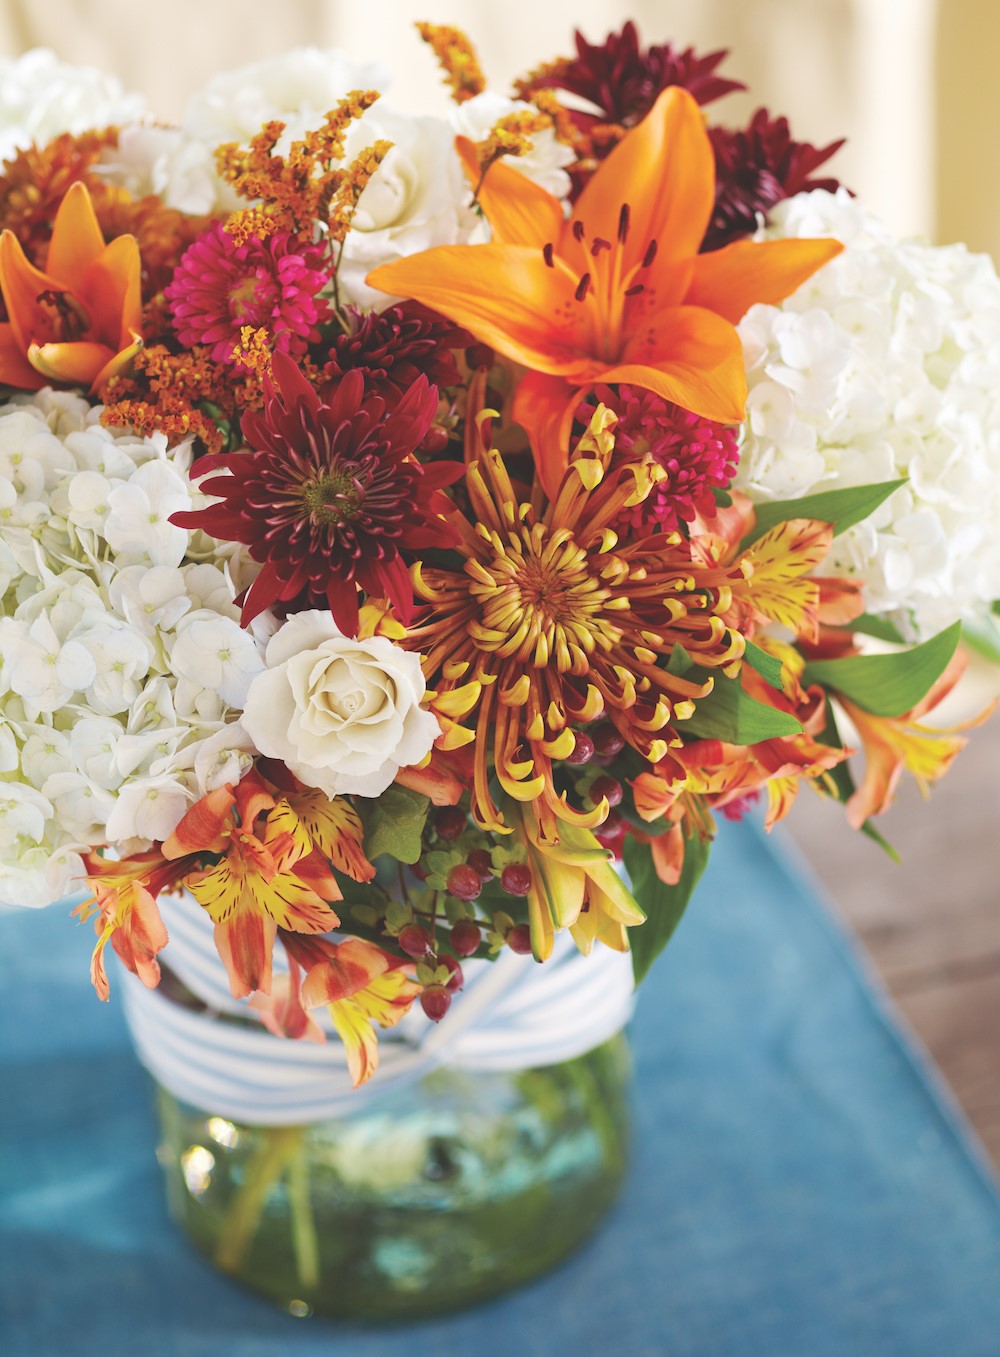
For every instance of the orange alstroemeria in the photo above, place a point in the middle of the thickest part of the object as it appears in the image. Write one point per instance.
(893, 745)
(618, 292)
(78, 322)
(361, 985)
(271, 876)
(124, 901)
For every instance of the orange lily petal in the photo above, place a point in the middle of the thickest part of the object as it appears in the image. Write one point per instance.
(245, 943)
(665, 170)
(21, 284)
(15, 370)
(519, 211)
(76, 239)
(729, 281)
(118, 363)
(78, 363)
(544, 407)
(505, 294)
(692, 357)
(111, 292)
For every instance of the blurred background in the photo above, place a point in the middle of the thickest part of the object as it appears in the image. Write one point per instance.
(912, 85)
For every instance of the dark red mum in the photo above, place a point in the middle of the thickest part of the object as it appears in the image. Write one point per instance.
(394, 347)
(622, 79)
(756, 168)
(329, 499)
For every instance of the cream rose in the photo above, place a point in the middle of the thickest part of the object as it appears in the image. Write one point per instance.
(343, 715)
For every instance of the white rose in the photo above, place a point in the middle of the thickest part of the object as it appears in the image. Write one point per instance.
(545, 163)
(343, 715)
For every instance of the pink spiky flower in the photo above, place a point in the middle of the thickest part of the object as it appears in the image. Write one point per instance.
(273, 284)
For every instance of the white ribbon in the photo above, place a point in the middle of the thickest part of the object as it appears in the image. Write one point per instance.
(512, 1014)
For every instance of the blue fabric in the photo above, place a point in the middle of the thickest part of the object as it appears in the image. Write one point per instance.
(799, 1185)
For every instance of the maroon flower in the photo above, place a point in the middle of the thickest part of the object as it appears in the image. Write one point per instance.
(219, 286)
(697, 455)
(329, 498)
(393, 348)
(622, 81)
(756, 168)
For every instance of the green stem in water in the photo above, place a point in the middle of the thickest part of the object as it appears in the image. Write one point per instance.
(239, 1225)
(304, 1240)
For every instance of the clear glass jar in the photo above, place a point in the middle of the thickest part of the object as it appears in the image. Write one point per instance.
(429, 1197)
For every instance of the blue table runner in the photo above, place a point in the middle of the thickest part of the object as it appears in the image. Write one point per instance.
(800, 1186)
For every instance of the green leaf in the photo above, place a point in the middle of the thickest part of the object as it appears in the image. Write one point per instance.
(767, 666)
(730, 714)
(394, 824)
(842, 508)
(680, 661)
(664, 905)
(879, 627)
(983, 636)
(888, 685)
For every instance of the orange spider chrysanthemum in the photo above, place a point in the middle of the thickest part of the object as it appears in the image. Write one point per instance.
(79, 321)
(618, 293)
(560, 623)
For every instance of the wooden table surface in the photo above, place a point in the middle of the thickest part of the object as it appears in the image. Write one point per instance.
(931, 924)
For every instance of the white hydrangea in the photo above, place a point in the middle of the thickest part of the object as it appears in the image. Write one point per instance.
(121, 652)
(168, 162)
(885, 364)
(41, 97)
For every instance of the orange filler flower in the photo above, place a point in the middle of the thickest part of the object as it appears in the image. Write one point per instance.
(79, 321)
(618, 292)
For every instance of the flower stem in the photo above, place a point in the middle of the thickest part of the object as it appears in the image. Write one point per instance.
(276, 1152)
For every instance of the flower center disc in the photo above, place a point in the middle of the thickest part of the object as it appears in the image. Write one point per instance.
(332, 497)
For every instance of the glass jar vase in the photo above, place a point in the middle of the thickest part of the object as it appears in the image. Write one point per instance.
(431, 1195)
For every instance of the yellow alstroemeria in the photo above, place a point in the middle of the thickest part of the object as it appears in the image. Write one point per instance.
(79, 322)
(574, 885)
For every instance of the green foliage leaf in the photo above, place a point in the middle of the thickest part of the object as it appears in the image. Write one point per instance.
(680, 661)
(879, 627)
(664, 905)
(888, 685)
(767, 666)
(730, 714)
(842, 508)
(983, 636)
(394, 823)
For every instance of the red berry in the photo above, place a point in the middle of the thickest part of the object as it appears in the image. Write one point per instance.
(608, 788)
(607, 741)
(457, 978)
(464, 882)
(481, 862)
(516, 879)
(583, 750)
(416, 941)
(465, 937)
(450, 822)
(519, 939)
(611, 834)
(435, 1001)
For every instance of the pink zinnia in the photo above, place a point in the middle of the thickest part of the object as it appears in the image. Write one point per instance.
(698, 455)
(219, 286)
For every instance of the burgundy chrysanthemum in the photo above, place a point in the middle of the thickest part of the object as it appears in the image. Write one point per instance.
(698, 456)
(219, 286)
(393, 348)
(622, 80)
(329, 497)
(756, 168)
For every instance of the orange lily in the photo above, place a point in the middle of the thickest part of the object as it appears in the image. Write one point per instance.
(80, 321)
(618, 293)
(124, 900)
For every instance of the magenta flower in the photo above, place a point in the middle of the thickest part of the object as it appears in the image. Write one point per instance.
(219, 286)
